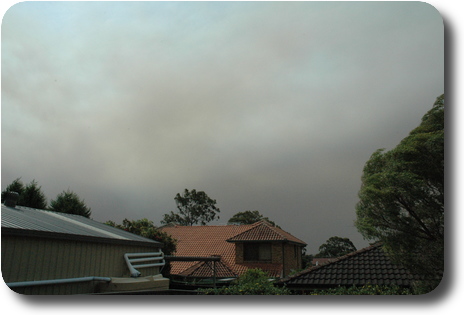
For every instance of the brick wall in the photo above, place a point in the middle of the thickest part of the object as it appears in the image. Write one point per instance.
(293, 260)
(276, 253)
(239, 253)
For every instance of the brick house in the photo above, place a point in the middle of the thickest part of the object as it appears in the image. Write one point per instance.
(240, 247)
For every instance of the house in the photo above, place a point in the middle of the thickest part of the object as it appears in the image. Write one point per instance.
(367, 266)
(46, 252)
(239, 247)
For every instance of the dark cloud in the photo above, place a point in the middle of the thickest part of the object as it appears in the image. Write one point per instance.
(265, 106)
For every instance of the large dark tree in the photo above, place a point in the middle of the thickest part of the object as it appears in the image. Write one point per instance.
(336, 247)
(30, 195)
(70, 202)
(33, 196)
(402, 196)
(16, 186)
(195, 207)
(248, 217)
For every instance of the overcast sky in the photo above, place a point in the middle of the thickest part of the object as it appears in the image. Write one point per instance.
(272, 106)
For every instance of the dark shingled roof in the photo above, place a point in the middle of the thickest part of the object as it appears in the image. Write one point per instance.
(368, 266)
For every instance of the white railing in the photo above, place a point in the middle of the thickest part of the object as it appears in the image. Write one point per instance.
(131, 259)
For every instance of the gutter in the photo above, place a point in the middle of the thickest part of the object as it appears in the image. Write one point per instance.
(56, 281)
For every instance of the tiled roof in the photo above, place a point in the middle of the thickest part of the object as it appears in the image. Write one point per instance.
(264, 231)
(209, 240)
(203, 241)
(204, 269)
(369, 265)
(320, 261)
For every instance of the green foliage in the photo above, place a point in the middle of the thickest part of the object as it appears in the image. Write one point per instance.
(364, 290)
(336, 247)
(16, 186)
(33, 196)
(69, 202)
(248, 217)
(307, 261)
(30, 195)
(146, 228)
(424, 286)
(402, 197)
(252, 282)
(194, 208)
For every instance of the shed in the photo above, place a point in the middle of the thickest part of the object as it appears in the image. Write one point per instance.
(46, 252)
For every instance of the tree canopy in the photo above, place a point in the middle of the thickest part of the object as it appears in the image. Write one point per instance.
(195, 207)
(16, 186)
(146, 228)
(69, 202)
(336, 247)
(401, 200)
(248, 217)
(30, 195)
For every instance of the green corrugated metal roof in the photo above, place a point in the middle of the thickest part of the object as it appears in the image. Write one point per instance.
(29, 219)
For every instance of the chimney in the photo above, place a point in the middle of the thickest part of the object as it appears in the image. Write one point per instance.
(11, 199)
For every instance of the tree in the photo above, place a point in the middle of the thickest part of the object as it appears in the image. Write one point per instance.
(146, 228)
(16, 186)
(307, 261)
(194, 207)
(248, 217)
(30, 195)
(69, 202)
(33, 196)
(401, 200)
(336, 247)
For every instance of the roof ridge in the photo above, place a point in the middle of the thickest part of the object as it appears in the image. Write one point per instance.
(263, 221)
(277, 232)
(255, 226)
(335, 260)
(199, 226)
(284, 234)
(195, 267)
(251, 227)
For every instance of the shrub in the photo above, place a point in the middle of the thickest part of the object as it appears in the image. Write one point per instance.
(252, 282)
(364, 290)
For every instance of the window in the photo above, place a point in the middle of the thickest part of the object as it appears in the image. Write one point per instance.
(257, 252)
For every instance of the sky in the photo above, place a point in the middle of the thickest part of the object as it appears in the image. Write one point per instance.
(268, 106)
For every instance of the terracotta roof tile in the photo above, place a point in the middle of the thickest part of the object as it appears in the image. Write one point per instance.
(204, 269)
(203, 241)
(264, 231)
